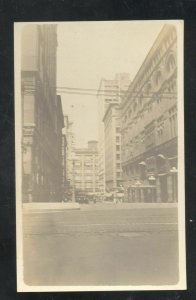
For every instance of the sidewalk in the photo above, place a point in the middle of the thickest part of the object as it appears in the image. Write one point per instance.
(125, 205)
(50, 206)
(61, 206)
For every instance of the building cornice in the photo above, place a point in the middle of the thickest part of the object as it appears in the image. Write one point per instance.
(152, 151)
(156, 46)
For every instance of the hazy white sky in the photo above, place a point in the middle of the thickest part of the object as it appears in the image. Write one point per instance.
(89, 51)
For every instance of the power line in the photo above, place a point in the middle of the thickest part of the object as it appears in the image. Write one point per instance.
(164, 95)
(85, 89)
(91, 94)
(107, 90)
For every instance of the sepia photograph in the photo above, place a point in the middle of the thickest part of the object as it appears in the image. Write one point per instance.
(99, 138)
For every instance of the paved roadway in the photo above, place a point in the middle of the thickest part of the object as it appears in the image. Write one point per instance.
(102, 244)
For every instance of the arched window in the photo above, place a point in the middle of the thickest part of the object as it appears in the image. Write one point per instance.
(158, 77)
(170, 63)
(135, 106)
(148, 88)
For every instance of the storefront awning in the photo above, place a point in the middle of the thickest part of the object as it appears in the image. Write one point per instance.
(162, 174)
(143, 186)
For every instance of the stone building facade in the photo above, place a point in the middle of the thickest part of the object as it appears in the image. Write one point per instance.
(110, 91)
(64, 164)
(69, 142)
(42, 115)
(149, 125)
(113, 171)
(85, 168)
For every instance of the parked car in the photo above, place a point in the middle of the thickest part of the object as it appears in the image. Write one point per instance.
(82, 198)
(109, 196)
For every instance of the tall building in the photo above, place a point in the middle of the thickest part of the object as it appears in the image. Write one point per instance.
(113, 171)
(69, 143)
(85, 168)
(42, 115)
(149, 125)
(64, 156)
(110, 91)
(70, 150)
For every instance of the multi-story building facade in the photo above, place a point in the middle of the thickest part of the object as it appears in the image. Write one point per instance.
(110, 91)
(149, 125)
(42, 115)
(85, 168)
(113, 171)
(64, 156)
(68, 150)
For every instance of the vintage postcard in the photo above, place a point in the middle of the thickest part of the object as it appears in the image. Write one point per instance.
(99, 119)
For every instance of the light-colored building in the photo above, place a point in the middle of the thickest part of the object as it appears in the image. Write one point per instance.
(70, 144)
(113, 171)
(149, 125)
(64, 164)
(110, 91)
(42, 115)
(85, 168)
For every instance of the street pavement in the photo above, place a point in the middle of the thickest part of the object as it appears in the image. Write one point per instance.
(101, 244)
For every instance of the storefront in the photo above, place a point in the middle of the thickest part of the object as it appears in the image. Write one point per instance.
(142, 193)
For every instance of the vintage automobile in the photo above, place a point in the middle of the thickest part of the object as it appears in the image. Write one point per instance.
(115, 195)
(109, 196)
(81, 197)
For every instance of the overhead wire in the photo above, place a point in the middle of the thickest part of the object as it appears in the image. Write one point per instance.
(98, 90)
(115, 95)
(106, 93)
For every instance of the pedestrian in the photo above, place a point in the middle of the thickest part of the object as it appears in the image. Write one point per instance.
(115, 198)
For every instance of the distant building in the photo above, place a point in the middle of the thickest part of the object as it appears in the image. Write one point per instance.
(42, 115)
(149, 125)
(64, 156)
(64, 162)
(113, 171)
(70, 137)
(110, 91)
(85, 168)
(69, 144)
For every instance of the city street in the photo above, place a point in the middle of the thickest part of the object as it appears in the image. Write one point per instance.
(101, 244)
(101, 156)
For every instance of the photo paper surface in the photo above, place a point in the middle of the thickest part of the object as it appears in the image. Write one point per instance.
(99, 122)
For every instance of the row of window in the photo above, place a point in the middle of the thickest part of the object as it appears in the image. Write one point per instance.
(149, 138)
(143, 107)
(127, 130)
(157, 58)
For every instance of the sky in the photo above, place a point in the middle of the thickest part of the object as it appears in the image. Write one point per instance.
(90, 51)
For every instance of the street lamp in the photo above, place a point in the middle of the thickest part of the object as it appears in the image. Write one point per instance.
(173, 170)
(137, 182)
(152, 178)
